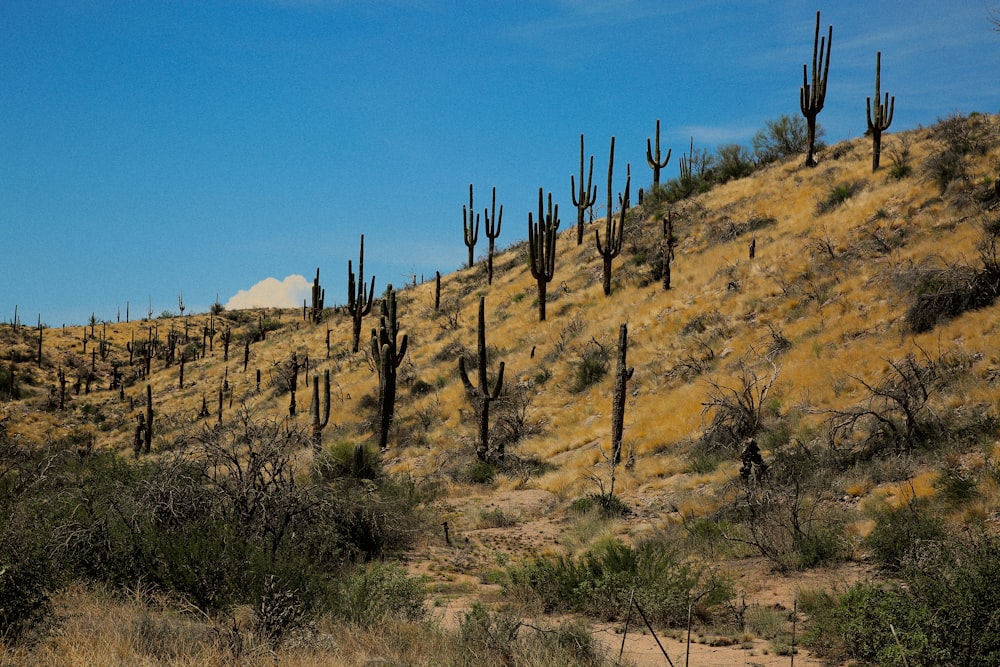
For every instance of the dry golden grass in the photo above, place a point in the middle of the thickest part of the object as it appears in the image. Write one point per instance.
(821, 301)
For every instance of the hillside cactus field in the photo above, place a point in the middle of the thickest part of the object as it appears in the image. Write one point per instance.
(762, 408)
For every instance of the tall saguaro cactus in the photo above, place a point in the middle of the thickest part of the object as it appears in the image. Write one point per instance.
(669, 242)
(317, 419)
(470, 228)
(357, 304)
(585, 196)
(653, 159)
(812, 95)
(614, 232)
(622, 375)
(542, 248)
(388, 355)
(318, 297)
(482, 394)
(493, 224)
(881, 119)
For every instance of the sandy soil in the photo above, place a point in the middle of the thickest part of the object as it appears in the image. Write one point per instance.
(458, 575)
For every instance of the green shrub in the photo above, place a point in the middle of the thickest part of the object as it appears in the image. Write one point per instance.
(500, 638)
(481, 472)
(857, 624)
(945, 610)
(606, 504)
(838, 194)
(732, 162)
(347, 459)
(600, 582)
(377, 592)
(590, 368)
(27, 575)
(781, 138)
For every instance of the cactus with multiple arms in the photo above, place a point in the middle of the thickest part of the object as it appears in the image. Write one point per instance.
(585, 197)
(482, 393)
(317, 421)
(318, 297)
(882, 118)
(470, 228)
(493, 224)
(357, 305)
(388, 355)
(812, 95)
(542, 248)
(614, 232)
(653, 159)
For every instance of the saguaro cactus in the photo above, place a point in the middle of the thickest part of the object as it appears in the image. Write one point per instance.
(317, 421)
(437, 290)
(812, 95)
(471, 231)
(654, 158)
(542, 248)
(482, 395)
(493, 224)
(388, 355)
(318, 297)
(669, 242)
(585, 197)
(614, 232)
(357, 305)
(881, 119)
(622, 375)
(148, 432)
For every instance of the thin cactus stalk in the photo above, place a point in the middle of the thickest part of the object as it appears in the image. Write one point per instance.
(653, 159)
(614, 232)
(388, 355)
(669, 242)
(319, 419)
(437, 290)
(622, 375)
(148, 432)
(293, 382)
(470, 228)
(812, 95)
(357, 304)
(493, 222)
(585, 197)
(482, 395)
(39, 340)
(542, 248)
(881, 119)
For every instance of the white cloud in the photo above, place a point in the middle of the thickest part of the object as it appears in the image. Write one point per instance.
(272, 293)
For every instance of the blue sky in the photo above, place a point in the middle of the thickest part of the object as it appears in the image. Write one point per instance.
(151, 147)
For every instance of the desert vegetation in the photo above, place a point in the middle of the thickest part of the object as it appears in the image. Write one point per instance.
(795, 452)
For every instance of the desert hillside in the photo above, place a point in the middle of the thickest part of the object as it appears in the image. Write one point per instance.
(855, 346)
